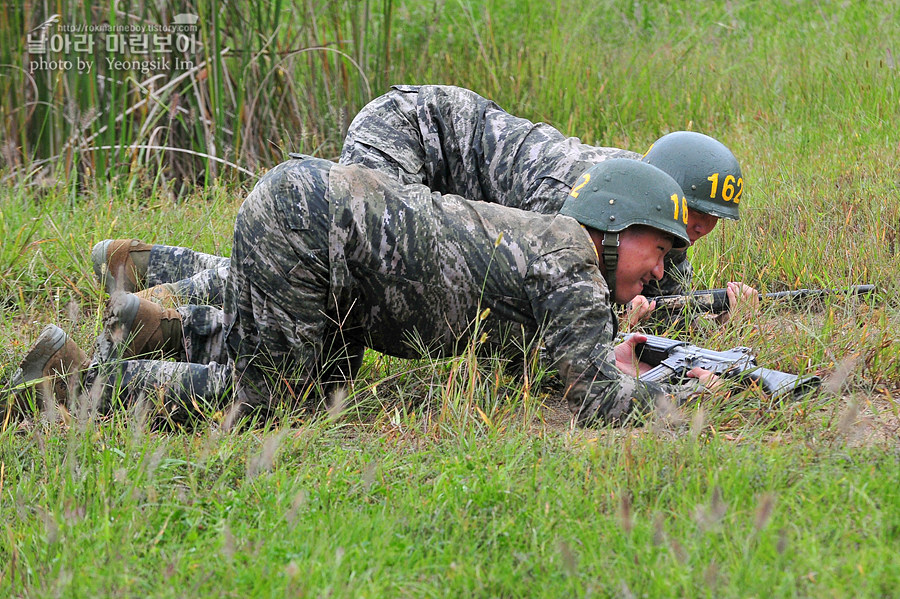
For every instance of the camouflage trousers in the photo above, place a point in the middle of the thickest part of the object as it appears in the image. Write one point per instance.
(384, 136)
(196, 382)
(283, 337)
(200, 278)
(202, 338)
(276, 338)
(197, 278)
(164, 390)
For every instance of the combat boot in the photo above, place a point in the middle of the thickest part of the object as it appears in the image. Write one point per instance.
(53, 365)
(136, 326)
(121, 264)
(163, 294)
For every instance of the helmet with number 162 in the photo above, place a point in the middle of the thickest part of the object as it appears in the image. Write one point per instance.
(706, 170)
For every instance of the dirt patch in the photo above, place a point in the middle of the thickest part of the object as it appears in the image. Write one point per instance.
(868, 421)
(858, 420)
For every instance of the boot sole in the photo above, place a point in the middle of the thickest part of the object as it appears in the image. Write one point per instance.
(117, 326)
(98, 258)
(50, 341)
(125, 307)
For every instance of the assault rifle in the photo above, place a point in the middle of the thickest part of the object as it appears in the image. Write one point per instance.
(671, 360)
(716, 300)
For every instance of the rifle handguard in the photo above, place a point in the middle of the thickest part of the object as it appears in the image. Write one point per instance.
(716, 300)
(781, 385)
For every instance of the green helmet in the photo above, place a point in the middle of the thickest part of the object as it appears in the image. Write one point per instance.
(707, 171)
(615, 194)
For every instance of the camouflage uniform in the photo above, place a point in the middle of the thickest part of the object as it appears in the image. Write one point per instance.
(172, 263)
(198, 277)
(200, 378)
(352, 260)
(455, 142)
(170, 391)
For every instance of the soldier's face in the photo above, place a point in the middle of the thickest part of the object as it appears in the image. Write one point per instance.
(641, 252)
(699, 224)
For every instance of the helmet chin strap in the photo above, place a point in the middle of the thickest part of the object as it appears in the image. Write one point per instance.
(610, 258)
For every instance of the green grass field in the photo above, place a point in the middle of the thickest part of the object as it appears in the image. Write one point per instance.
(452, 478)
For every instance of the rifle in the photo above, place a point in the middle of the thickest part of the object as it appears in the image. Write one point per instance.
(672, 359)
(716, 300)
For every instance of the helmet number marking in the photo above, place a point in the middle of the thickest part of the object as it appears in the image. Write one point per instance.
(728, 188)
(731, 188)
(577, 188)
(684, 211)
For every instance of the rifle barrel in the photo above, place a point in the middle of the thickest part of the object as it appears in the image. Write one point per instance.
(716, 300)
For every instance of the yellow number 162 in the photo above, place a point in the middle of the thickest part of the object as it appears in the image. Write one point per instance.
(732, 188)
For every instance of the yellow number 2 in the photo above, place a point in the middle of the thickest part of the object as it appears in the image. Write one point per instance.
(587, 177)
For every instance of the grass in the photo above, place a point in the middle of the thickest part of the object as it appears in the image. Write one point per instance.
(310, 510)
(452, 477)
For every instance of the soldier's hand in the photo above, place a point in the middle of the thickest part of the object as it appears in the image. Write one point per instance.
(637, 310)
(743, 300)
(740, 294)
(626, 359)
(707, 379)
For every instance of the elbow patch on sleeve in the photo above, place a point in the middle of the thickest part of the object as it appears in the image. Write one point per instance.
(603, 400)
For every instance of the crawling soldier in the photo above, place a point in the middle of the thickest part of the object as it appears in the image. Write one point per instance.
(457, 142)
(329, 260)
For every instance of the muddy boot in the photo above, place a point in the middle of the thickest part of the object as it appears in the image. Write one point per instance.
(163, 294)
(53, 365)
(121, 264)
(135, 326)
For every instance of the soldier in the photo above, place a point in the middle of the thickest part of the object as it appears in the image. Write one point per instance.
(329, 260)
(457, 142)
